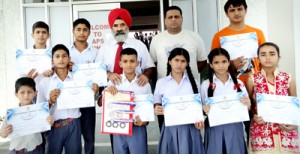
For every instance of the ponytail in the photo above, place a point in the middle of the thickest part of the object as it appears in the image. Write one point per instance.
(169, 69)
(210, 90)
(236, 84)
(192, 79)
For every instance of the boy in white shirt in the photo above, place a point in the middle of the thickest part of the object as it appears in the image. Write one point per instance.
(25, 91)
(66, 131)
(137, 143)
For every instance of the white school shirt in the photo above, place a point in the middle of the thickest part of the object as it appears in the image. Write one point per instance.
(46, 85)
(220, 88)
(28, 142)
(168, 87)
(163, 43)
(133, 86)
(88, 55)
(107, 54)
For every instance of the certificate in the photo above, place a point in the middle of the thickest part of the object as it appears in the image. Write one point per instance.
(117, 112)
(28, 119)
(95, 72)
(240, 45)
(278, 109)
(180, 110)
(226, 109)
(27, 59)
(75, 94)
(144, 107)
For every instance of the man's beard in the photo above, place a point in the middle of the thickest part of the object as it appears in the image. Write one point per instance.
(120, 36)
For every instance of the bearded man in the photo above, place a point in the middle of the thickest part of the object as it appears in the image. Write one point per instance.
(120, 20)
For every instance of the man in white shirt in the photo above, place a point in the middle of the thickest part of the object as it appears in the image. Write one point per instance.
(176, 37)
(120, 21)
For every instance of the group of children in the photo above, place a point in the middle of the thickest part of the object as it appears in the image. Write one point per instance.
(228, 138)
(66, 127)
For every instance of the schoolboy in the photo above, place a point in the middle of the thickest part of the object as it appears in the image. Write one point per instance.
(66, 131)
(25, 91)
(137, 143)
(40, 35)
(81, 53)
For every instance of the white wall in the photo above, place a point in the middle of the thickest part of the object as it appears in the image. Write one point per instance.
(10, 39)
(281, 32)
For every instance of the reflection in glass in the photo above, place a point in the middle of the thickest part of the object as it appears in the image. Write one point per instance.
(58, 1)
(33, 1)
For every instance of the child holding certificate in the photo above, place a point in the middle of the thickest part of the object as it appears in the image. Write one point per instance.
(25, 91)
(179, 81)
(226, 138)
(66, 131)
(137, 143)
(268, 137)
(40, 35)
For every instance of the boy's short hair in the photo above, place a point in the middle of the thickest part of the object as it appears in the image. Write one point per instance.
(173, 8)
(24, 81)
(60, 47)
(235, 3)
(81, 21)
(128, 51)
(40, 24)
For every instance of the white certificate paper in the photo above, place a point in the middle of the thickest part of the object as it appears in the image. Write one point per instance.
(278, 109)
(144, 107)
(95, 72)
(27, 59)
(180, 110)
(75, 94)
(28, 119)
(226, 109)
(240, 45)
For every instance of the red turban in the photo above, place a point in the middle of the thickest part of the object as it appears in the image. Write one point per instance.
(121, 14)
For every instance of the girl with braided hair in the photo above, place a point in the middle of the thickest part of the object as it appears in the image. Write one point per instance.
(226, 138)
(179, 81)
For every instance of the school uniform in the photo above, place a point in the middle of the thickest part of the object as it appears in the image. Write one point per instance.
(88, 114)
(137, 143)
(227, 138)
(66, 130)
(181, 139)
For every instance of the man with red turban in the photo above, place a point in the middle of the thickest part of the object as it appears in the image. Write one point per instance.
(120, 20)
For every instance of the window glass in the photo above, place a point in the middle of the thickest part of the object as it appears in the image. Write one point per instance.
(33, 1)
(32, 15)
(60, 25)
